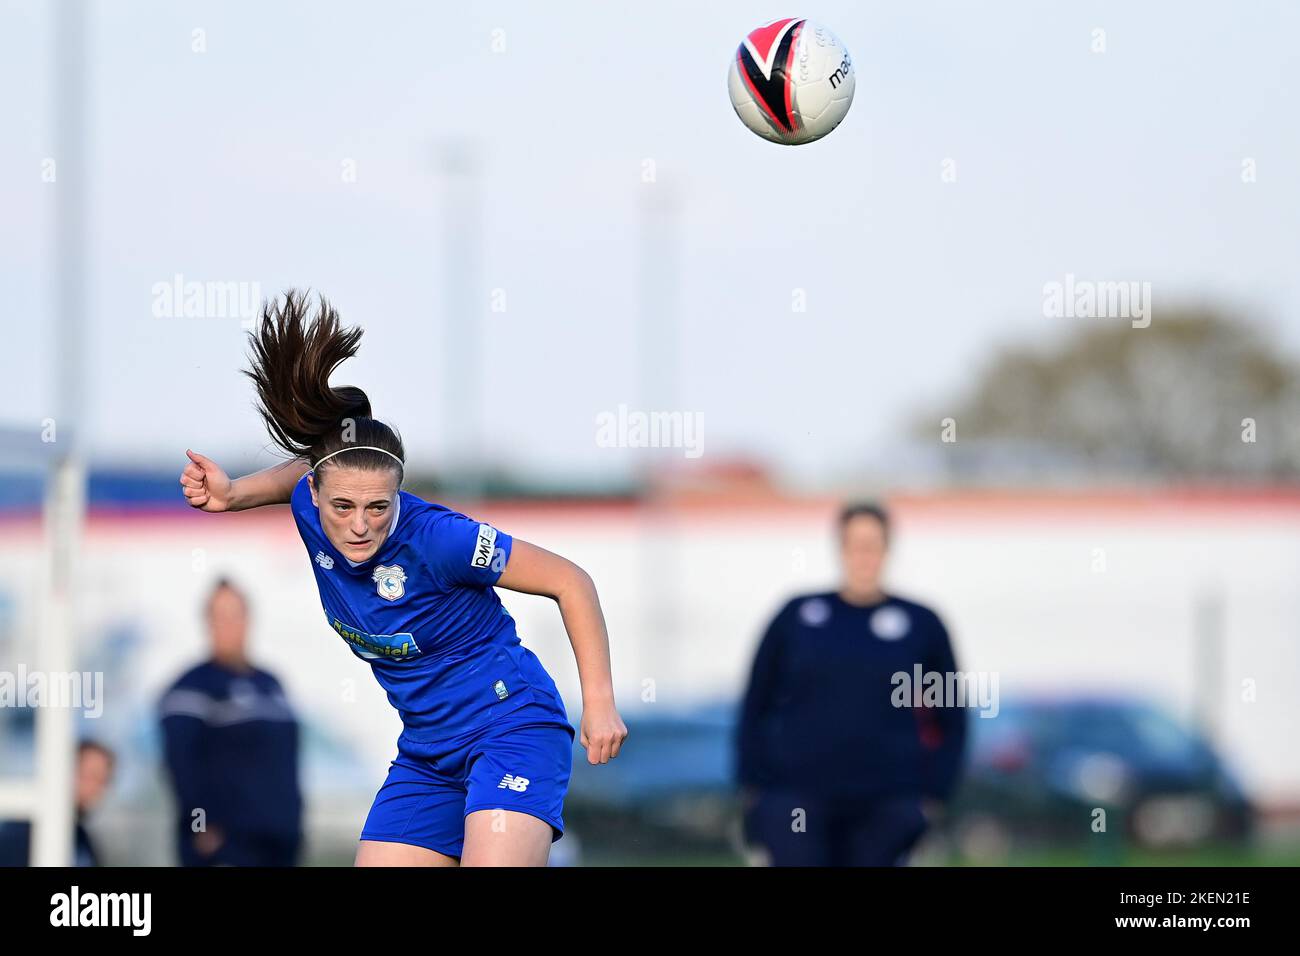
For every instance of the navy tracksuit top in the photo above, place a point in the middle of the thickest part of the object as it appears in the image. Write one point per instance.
(818, 715)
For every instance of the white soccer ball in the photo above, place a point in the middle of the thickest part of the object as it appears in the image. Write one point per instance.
(791, 81)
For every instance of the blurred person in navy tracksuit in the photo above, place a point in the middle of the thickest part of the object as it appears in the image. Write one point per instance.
(94, 773)
(230, 743)
(832, 772)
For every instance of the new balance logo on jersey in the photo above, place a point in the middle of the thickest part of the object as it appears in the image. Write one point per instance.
(324, 560)
(517, 784)
(487, 539)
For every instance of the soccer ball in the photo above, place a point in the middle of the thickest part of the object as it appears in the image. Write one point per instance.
(791, 81)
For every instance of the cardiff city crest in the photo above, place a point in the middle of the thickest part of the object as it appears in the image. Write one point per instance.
(390, 581)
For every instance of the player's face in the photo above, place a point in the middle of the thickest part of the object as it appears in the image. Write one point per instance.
(227, 624)
(356, 509)
(94, 771)
(862, 553)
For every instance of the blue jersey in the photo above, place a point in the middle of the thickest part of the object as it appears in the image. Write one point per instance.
(422, 612)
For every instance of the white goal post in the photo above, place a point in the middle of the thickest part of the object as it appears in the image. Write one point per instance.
(47, 798)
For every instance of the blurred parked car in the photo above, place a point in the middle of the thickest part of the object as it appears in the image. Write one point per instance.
(670, 789)
(1035, 774)
(1041, 767)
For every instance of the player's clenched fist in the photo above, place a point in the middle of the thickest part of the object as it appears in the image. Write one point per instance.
(602, 733)
(205, 485)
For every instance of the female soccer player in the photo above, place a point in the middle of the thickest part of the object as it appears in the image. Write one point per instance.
(484, 757)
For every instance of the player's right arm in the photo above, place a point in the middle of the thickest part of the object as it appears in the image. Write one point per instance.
(208, 488)
(756, 704)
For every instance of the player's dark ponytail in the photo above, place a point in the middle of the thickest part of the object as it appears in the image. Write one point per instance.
(293, 357)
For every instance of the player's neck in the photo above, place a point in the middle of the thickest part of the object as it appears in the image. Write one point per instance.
(861, 598)
(239, 664)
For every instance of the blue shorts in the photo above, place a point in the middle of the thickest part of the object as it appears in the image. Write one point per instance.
(521, 762)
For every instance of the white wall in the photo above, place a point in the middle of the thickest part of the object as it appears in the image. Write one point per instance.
(686, 595)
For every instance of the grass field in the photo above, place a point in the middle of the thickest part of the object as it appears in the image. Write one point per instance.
(1287, 855)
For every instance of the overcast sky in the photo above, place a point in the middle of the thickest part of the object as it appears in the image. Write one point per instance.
(228, 165)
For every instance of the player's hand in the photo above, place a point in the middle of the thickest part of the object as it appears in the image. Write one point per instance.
(602, 731)
(208, 842)
(205, 485)
(932, 810)
(749, 797)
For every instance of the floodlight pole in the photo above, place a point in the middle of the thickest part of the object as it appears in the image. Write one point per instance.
(53, 816)
(658, 345)
(464, 372)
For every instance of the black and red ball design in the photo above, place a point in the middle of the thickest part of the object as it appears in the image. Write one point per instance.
(791, 81)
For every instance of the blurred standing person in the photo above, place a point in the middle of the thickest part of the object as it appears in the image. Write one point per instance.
(94, 774)
(832, 772)
(231, 748)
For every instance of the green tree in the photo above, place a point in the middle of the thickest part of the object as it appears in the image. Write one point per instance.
(1174, 400)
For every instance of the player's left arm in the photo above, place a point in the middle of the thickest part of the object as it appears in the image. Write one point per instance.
(535, 570)
(944, 762)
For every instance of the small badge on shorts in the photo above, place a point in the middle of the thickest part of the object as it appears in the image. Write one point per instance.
(500, 688)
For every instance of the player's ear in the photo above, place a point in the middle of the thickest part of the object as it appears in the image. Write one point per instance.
(311, 484)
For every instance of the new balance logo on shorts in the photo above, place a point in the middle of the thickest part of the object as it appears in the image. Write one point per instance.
(517, 784)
